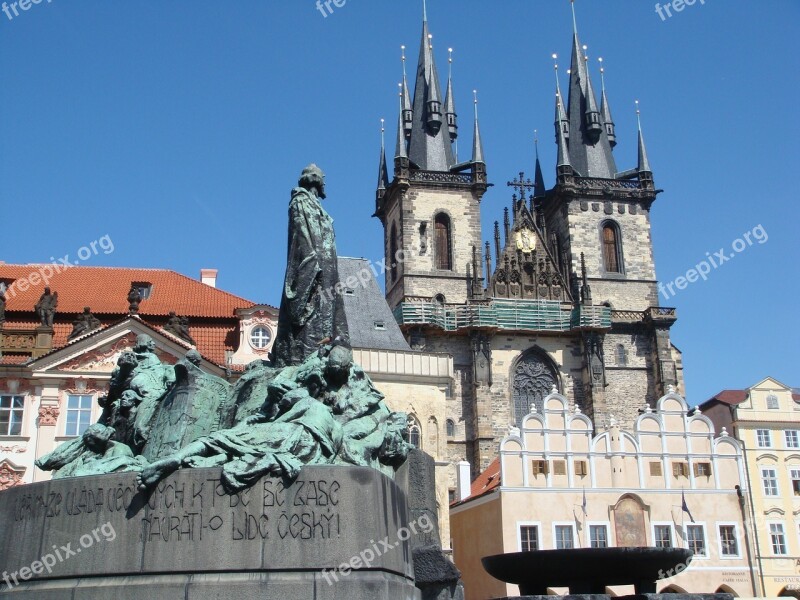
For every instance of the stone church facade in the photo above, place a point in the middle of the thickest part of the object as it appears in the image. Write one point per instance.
(560, 297)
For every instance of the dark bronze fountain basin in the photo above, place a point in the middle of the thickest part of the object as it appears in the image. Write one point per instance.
(587, 570)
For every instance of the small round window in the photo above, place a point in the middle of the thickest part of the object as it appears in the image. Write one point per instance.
(260, 337)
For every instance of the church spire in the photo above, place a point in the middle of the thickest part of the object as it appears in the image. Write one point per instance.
(561, 122)
(406, 110)
(539, 189)
(645, 172)
(605, 109)
(400, 151)
(383, 172)
(430, 147)
(590, 150)
(477, 143)
(450, 103)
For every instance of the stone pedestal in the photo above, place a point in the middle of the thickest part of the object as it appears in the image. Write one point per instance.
(335, 533)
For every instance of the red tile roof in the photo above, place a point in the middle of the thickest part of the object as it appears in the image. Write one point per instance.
(213, 323)
(485, 483)
(105, 290)
(732, 397)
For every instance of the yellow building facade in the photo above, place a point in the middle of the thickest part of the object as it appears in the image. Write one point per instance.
(557, 484)
(767, 422)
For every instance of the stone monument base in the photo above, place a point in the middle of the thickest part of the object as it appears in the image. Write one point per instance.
(336, 533)
(241, 586)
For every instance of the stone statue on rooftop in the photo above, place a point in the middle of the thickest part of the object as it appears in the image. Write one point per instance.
(134, 298)
(312, 309)
(84, 323)
(46, 307)
(179, 327)
(2, 303)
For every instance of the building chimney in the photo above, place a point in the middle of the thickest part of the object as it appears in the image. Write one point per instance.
(464, 482)
(209, 277)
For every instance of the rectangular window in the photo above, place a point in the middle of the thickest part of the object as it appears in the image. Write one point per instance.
(728, 540)
(680, 469)
(12, 409)
(79, 414)
(655, 469)
(769, 478)
(529, 538)
(539, 467)
(581, 469)
(794, 474)
(559, 467)
(777, 538)
(663, 536)
(696, 539)
(702, 469)
(565, 538)
(598, 536)
(764, 438)
(792, 438)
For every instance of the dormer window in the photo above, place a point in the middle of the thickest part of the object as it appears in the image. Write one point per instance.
(145, 289)
(380, 326)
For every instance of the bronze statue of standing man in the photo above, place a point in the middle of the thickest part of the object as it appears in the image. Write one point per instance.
(312, 310)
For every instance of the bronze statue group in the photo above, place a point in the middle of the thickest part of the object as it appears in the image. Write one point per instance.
(311, 404)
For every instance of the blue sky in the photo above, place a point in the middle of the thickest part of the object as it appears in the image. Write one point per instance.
(178, 129)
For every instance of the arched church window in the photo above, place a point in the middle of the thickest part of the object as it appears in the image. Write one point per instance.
(414, 432)
(534, 377)
(612, 248)
(451, 428)
(622, 356)
(443, 252)
(393, 252)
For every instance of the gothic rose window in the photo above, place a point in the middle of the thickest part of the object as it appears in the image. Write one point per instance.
(443, 245)
(533, 379)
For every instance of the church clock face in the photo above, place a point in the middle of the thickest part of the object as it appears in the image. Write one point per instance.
(525, 240)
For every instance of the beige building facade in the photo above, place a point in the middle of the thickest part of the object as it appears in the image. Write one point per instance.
(559, 484)
(765, 418)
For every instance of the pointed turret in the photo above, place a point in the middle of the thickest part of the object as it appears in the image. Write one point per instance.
(589, 147)
(383, 172)
(561, 121)
(477, 143)
(539, 189)
(593, 125)
(645, 172)
(450, 103)
(605, 109)
(563, 165)
(406, 110)
(430, 147)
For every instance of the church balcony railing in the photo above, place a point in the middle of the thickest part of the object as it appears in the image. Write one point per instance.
(513, 315)
(441, 177)
(600, 184)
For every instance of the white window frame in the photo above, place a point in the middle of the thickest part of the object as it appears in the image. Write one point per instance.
(785, 538)
(571, 525)
(24, 409)
(703, 527)
(796, 438)
(737, 535)
(520, 525)
(672, 536)
(758, 438)
(794, 475)
(269, 339)
(590, 524)
(79, 410)
(777, 493)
